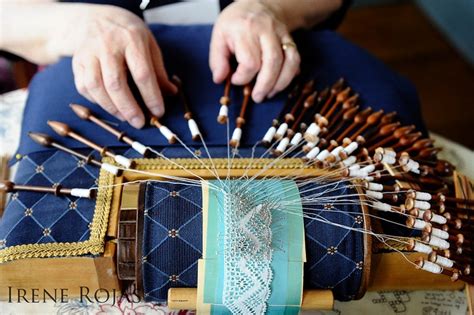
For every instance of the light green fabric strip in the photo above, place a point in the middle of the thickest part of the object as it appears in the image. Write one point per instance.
(287, 236)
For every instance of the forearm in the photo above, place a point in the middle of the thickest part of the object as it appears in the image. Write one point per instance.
(37, 30)
(298, 14)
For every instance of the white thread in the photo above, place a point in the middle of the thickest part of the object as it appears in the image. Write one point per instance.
(322, 155)
(283, 145)
(310, 145)
(436, 218)
(122, 160)
(237, 135)
(349, 161)
(369, 178)
(421, 213)
(375, 187)
(269, 135)
(312, 132)
(281, 131)
(313, 153)
(357, 173)
(224, 111)
(140, 148)
(422, 248)
(420, 224)
(144, 4)
(422, 196)
(168, 134)
(390, 152)
(368, 169)
(439, 233)
(412, 165)
(443, 261)
(335, 152)
(193, 127)
(374, 194)
(422, 205)
(351, 147)
(296, 138)
(81, 193)
(438, 242)
(388, 159)
(354, 167)
(431, 267)
(110, 168)
(382, 206)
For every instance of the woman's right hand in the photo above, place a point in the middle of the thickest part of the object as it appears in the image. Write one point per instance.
(104, 43)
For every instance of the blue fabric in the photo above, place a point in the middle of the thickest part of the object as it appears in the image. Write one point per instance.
(326, 57)
(33, 218)
(173, 241)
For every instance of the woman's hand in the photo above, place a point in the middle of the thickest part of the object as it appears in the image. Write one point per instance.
(104, 41)
(107, 41)
(255, 32)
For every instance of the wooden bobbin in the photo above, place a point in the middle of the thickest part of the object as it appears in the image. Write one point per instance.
(168, 134)
(65, 131)
(188, 115)
(222, 118)
(58, 190)
(240, 121)
(86, 114)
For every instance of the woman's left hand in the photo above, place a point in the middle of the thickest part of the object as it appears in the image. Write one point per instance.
(256, 33)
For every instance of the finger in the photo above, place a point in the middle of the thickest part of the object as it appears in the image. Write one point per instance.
(157, 58)
(272, 59)
(115, 82)
(138, 58)
(248, 55)
(290, 68)
(95, 87)
(219, 55)
(78, 71)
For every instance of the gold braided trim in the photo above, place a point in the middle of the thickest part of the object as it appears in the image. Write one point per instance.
(220, 163)
(94, 245)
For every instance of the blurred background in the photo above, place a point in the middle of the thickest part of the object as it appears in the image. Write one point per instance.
(431, 42)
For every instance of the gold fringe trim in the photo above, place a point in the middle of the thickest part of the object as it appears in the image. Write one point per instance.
(94, 245)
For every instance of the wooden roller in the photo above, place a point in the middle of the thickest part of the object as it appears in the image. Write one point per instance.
(186, 298)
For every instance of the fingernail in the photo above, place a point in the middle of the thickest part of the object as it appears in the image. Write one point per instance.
(156, 111)
(119, 117)
(137, 122)
(258, 97)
